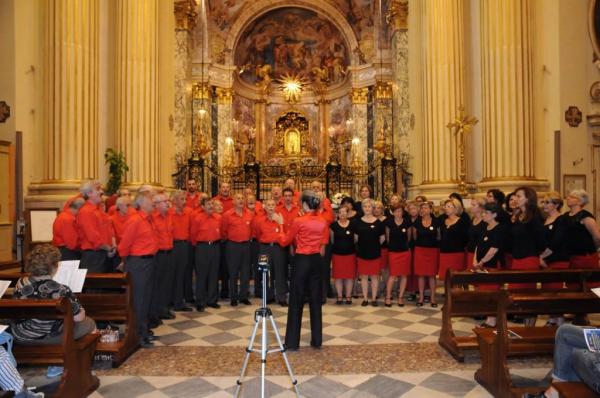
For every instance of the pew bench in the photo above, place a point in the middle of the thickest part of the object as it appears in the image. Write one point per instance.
(75, 356)
(574, 390)
(496, 345)
(459, 303)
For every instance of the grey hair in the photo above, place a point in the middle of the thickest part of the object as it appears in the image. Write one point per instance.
(88, 187)
(77, 204)
(140, 197)
(121, 200)
(176, 194)
(145, 188)
(582, 195)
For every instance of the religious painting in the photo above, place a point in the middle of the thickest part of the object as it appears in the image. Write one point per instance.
(292, 41)
(221, 14)
(594, 28)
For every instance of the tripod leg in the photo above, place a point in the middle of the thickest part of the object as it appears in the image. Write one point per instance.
(284, 354)
(263, 356)
(247, 356)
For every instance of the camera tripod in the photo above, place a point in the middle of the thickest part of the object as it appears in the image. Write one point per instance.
(263, 317)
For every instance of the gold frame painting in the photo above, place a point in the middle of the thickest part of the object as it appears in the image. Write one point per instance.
(593, 31)
(572, 182)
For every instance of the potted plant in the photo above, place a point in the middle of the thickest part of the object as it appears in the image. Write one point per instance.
(117, 167)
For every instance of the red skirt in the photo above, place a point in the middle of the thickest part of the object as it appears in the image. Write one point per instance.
(453, 261)
(412, 284)
(384, 257)
(586, 262)
(368, 267)
(426, 261)
(556, 265)
(469, 260)
(344, 266)
(526, 263)
(489, 287)
(399, 263)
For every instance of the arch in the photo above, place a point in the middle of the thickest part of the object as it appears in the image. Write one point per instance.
(261, 7)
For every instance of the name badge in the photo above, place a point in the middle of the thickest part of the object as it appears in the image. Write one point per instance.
(347, 232)
(431, 228)
(403, 229)
(372, 226)
(550, 227)
(276, 229)
(217, 230)
(247, 222)
(485, 239)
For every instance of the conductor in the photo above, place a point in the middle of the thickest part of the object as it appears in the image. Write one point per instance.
(309, 233)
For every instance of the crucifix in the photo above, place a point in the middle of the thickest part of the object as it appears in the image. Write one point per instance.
(461, 126)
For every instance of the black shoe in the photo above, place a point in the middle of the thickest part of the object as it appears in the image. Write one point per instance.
(213, 305)
(283, 303)
(290, 349)
(152, 338)
(411, 297)
(234, 303)
(224, 295)
(168, 315)
(246, 302)
(145, 343)
(433, 305)
(190, 301)
(154, 323)
(419, 304)
(323, 301)
(348, 301)
(374, 303)
(315, 346)
(150, 332)
(200, 308)
(339, 301)
(183, 308)
(364, 303)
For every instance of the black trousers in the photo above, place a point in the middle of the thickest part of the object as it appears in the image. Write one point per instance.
(141, 269)
(326, 271)
(188, 276)
(208, 257)
(163, 277)
(223, 272)
(256, 275)
(237, 255)
(306, 281)
(181, 258)
(67, 254)
(278, 284)
(93, 260)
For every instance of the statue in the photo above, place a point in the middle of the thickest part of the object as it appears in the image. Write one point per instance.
(292, 142)
(263, 75)
(321, 79)
(461, 126)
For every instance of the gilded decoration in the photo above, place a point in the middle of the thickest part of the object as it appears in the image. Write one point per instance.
(383, 90)
(224, 95)
(185, 14)
(201, 91)
(292, 138)
(397, 14)
(360, 95)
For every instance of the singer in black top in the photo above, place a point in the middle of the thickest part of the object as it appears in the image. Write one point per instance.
(583, 236)
(426, 251)
(343, 256)
(453, 238)
(369, 233)
(397, 235)
(556, 255)
(476, 228)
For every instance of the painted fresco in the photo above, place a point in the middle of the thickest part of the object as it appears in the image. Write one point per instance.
(292, 41)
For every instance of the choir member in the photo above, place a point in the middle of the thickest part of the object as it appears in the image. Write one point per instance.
(427, 235)
(205, 235)
(310, 234)
(526, 233)
(348, 203)
(217, 206)
(397, 229)
(90, 227)
(412, 214)
(137, 249)
(453, 238)
(380, 213)
(583, 236)
(225, 197)
(192, 196)
(325, 211)
(164, 274)
(291, 184)
(343, 256)
(365, 192)
(497, 196)
(121, 216)
(108, 236)
(421, 199)
(181, 216)
(510, 207)
(121, 193)
(64, 231)
(463, 214)
(267, 229)
(395, 199)
(369, 234)
(488, 251)
(288, 208)
(237, 230)
(476, 228)
(276, 194)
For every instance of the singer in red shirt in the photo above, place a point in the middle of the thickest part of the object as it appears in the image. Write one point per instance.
(309, 234)
(64, 232)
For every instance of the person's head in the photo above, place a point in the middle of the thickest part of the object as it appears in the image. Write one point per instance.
(92, 191)
(224, 189)
(395, 199)
(452, 207)
(208, 205)
(552, 201)
(348, 203)
(425, 209)
(420, 199)
(577, 197)
(316, 186)
(178, 199)
(477, 206)
(310, 201)
(191, 185)
(377, 208)
(76, 205)
(457, 196)
(269, 206)
(42, 260)
(123, 192)
(511, 202)
(489, 212)
(276, 193)
(146, 188)
(217, 206)
(365, 192)
(412, 208)
(161, 204)
(123, 204)
(343, 213)
(495, 196)
(527, 202)
(251, 202)
(288, 196)
(248, 191)
(367, 206)
(143, 202)
(290, 183)
(238, 201)
(397, 210)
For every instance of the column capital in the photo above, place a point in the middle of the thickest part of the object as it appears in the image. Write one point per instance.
(200, 91)
(383, 90)
(224, 95)
(185, 14)
(359, 95)
(397, 15)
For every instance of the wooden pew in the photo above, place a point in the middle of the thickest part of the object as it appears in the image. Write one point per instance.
(75, 355)
(111, 302)
(495, 348)
(574, 390)
(463, 303)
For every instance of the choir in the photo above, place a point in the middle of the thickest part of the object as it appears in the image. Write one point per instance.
(189, 249)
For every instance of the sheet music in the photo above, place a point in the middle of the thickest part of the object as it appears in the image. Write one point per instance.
(77, 280)
(596, 291)
(3, 286)
(592, 339)
(3, 328)
(69, 274)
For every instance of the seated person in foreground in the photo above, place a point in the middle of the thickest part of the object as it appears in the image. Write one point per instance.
(11, 380)
(42, 264)
(573, 361)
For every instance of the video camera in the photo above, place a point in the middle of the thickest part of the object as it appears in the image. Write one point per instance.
(263, 263)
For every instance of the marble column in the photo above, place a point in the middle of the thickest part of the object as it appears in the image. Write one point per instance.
(507, 91)
(324, 151)
(224, 118)
(260, 111)
(358, 130)
(185, 21)
(136, 89)
(444, 92)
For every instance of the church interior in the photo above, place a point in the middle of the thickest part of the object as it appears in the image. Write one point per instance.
(413, 99)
